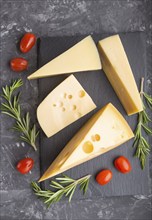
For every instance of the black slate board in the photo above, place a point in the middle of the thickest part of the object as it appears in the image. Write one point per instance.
(98, 87)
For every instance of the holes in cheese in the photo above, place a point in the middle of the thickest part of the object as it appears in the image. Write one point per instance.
(95, 137)
(83, 56)
(59, 104)
(69, 96)
(63, 109)
(117, 69)
(63, 95)
(56, 112)
(73, 107)
(81, 93)
(81, 148)
(87, 147)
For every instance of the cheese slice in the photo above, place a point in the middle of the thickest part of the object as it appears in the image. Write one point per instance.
(83, 56)
(106, 130)
(64, 105)
(117, 69)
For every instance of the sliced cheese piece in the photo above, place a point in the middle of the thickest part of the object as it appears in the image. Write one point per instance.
(117, 69)
(83, 56)
(65, 104)
(106, 130)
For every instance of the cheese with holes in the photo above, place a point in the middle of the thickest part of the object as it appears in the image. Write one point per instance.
(106, 130)
(83, 56)
(117, 69)
(64, 105)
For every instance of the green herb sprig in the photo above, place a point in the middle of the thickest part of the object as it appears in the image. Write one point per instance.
(12, 108)
(140, 143)
(65, 186)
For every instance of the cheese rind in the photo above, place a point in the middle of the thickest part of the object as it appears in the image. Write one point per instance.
(117, 69)
(83, 56)
(64, 105)
(106, 130)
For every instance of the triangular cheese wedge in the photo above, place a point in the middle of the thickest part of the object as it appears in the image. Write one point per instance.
(67, 103)
(106, 130)
(117, 69)
(83, 56)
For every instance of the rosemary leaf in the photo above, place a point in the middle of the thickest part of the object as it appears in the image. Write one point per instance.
(49, 197)
(147, 129)
(140, 143)
(69, 190)
(56, 185)
(12, 108)
(72, 192)
(148, 99)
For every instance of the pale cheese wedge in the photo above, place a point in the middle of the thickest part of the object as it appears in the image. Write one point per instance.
(117, 69)
(106, 130)
(83, 56)
(64, 105)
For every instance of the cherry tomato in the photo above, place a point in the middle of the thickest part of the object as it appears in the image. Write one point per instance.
(27, 42)
(104, 177)
(25, 165)
(18, 64)
(122, 164)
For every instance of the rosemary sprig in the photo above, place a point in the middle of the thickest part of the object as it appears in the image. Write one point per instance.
(12, 108)
(65, 186)
(140, 143)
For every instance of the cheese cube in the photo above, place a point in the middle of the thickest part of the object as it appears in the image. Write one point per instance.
(117, 69)
(106, 130)
(64, 105)
(83, 56)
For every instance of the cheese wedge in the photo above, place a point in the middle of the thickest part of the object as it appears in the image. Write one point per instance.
(65, 104)
(106, 130)
(83, 56)
(117, 69)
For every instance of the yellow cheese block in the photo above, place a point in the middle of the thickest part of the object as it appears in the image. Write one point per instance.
(117, 69)
(83, 56)
(64, 105)
(106, 130)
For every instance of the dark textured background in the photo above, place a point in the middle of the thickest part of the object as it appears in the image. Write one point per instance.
(52, 18)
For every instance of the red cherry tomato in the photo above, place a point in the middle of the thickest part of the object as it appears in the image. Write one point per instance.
(122, 164)
(104, 177)
(25, 165)
(18, 64)
(27, 42)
